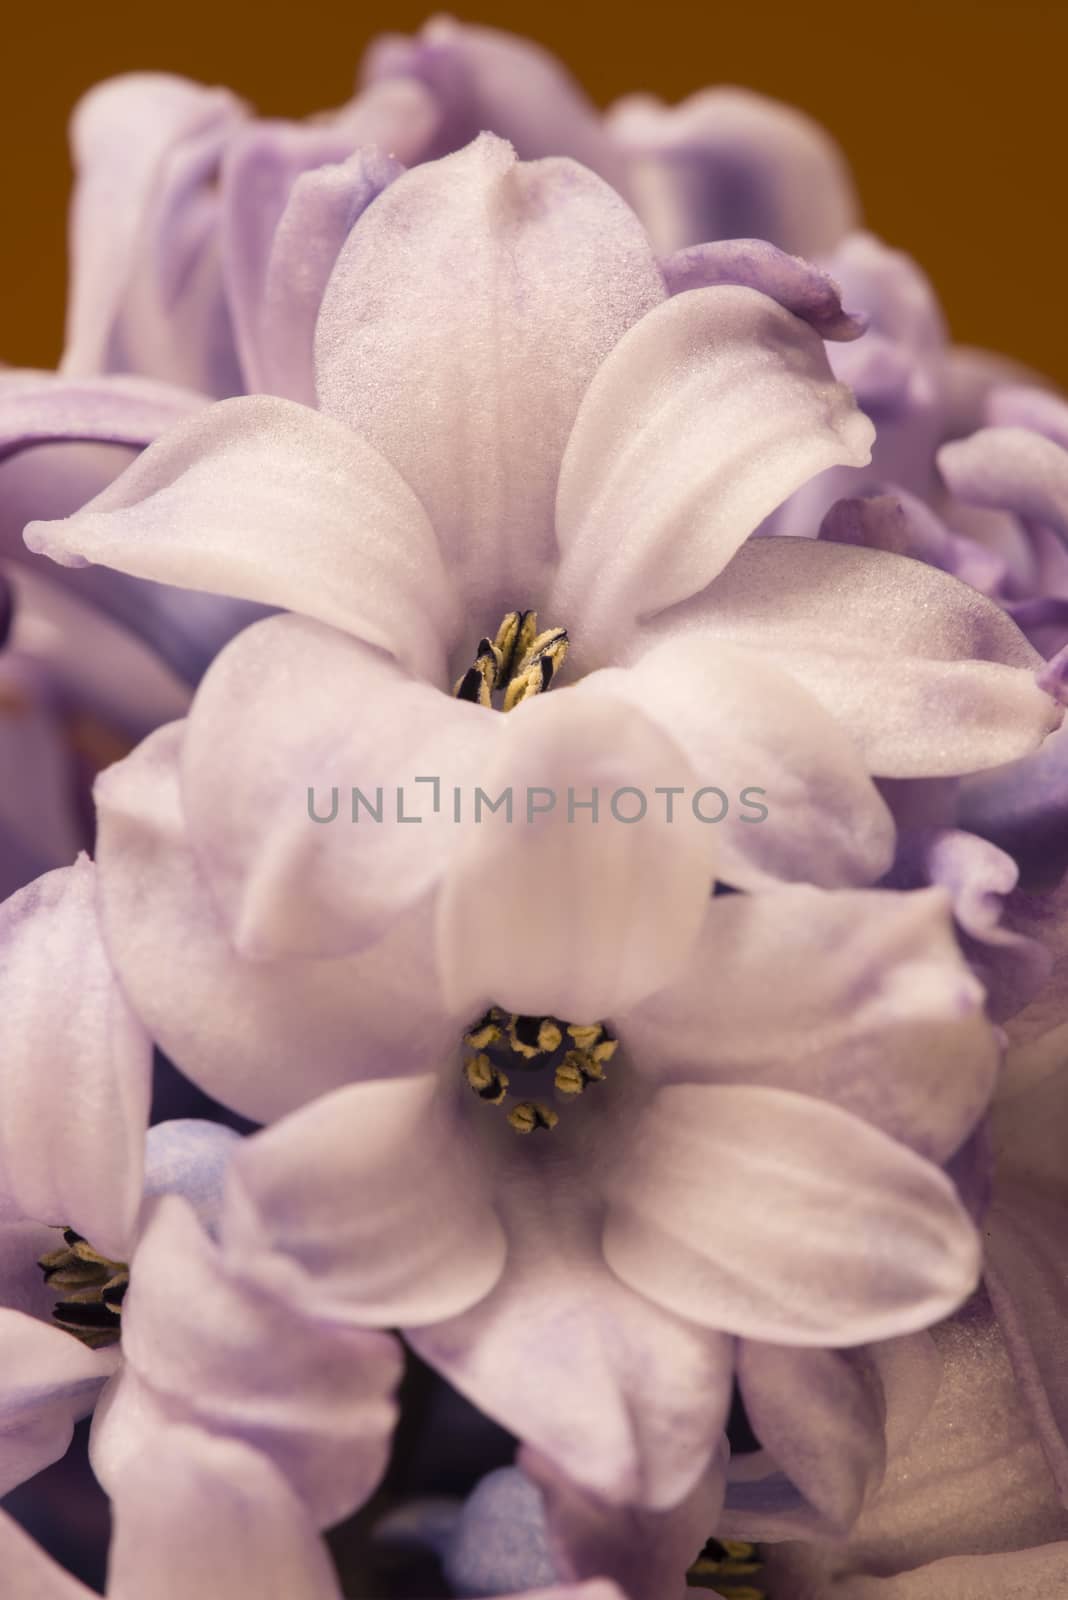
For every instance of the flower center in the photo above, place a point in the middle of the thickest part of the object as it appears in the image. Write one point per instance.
(92, 1287)
(566, 1056)
(518, 662)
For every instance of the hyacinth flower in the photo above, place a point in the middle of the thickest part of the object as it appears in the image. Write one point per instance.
(79, 1203)
(307, 1218)
(686, 509)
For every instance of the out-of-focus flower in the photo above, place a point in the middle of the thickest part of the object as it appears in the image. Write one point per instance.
(1009, 482)
(967, 1510)
(725, 164)
(179, 188)
(76, 692)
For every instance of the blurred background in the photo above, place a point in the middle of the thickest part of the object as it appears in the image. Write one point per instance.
(951, 114)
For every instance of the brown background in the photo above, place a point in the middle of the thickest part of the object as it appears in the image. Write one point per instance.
(953, 116)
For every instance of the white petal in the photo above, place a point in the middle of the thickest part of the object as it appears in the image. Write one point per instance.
(706, 416)
(75, 1084)
(264, 499)
(469, 309)
(285, 883)
(366, 1207)
(776, 1217)
(929, 677)
(565, 884)
(280, 1032)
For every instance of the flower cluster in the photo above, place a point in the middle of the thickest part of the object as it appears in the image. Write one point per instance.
(600, 1198)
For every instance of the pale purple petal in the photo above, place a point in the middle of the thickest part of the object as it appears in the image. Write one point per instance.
(646, 1552)
(499, 1542)
(366, 1207)
(42, 407)
(127, 135)
(201, 1344)
(798, 286)
(281, 1032)
(189, 1157)
(50, 1381)
(973, 379)
(730, 164)
(53, 480)
(822, 1425)
(638, 1397)
(399, 116)
(469, 310)
(899, 299)
(706, 416)
(262, 163)
(576, 874)
(1037, 410)
(1023, 807)
(1010, 469)
(321, 212)
(92, 665)
(75, 1084)
(264, 499)
(929, 677)
(285, 883)
(483, 78)
(40, 827)
(747, 727)
(196, 1515)
(903, 525)
(1011, 965)
(860, 998)
(823, 1231)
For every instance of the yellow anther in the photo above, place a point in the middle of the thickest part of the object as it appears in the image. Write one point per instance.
(585, 1034)
(547, 1038)
(514, 638)
(488, 1081)
(531, 1114)
(570, 1078)
(519, 660)
(538, 667)
(739, 1549)
(479, 681)
(604, 1050)
(487, 1031)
